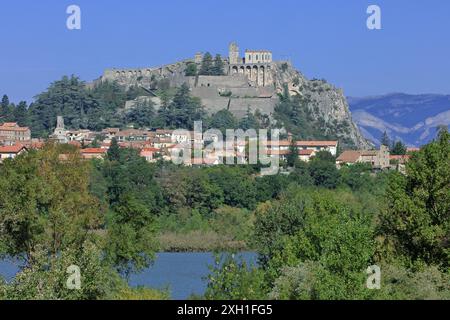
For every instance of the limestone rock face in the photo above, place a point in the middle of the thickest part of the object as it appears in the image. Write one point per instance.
(325, 102)
(238, 91)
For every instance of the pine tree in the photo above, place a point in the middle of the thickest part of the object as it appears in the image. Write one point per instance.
(398, 148)
(206, 68)
(249, 122)
(21, 114)
(218, 66)
(114, 151)
(385, 141)
(191, 70)
(5, 112)
(292, 157)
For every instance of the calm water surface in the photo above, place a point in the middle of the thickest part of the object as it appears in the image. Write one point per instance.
(182, 273)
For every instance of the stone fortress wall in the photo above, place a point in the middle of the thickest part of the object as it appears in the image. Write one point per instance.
(252, 81)
(249, 81)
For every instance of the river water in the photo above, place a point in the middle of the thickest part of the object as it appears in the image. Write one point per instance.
(183, 273)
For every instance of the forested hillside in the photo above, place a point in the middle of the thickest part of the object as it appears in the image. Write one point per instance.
(103, 105)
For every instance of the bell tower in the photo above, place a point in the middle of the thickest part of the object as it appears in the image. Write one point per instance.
(233, 53)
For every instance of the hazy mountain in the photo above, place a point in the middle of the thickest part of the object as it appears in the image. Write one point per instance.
(410, 118)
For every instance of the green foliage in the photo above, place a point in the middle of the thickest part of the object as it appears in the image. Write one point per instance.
(6, 110)
(207, 67)
(139, 293)
(292, 157)
(142, 115)
(249, 121)
(182, 111)
(21, 114)
(210, 66)
(417, 222)
(45, 278)
(191, 70)
(222, 120)
(131, 236)
(299, 115)
(356, 176)
(324, 173)
(238, 187)
(307, 222)
(235, 223)
(218, 66)
(385, 141)
(44, 201)
(398, 283)
(114, 151)
(270, 187)
(398, 148)
(234, 280)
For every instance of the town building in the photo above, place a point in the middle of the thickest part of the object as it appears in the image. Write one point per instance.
(60, 133)
(11, 132)
(10, 152)
(150, 154)
(378, 159)
(93, 153)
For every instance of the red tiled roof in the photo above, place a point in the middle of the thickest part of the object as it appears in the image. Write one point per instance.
(305, 152)
(399, 157)
(93, 150)
(255, 51)
(9, 128)
(315, 143)
(349, 156)
(311, 143)
(150, 150)
(10, 124)
(12, 149)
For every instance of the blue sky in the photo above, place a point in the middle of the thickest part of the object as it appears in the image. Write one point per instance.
(323, 38)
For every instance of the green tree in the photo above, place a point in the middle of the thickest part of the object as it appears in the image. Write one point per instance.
(218, 66)
(191, 70)
(398, 148)
(324, 233)
(249, 121)
(131, 241)
(46, 202)
(222, 120)
(5, 109)
(292, 157)
(114, 150)
(183, 110)
(324, 173)
(207, 67)
(233, 279)
(385, 141)
(21, 114)
(142, 115)
(417, 222)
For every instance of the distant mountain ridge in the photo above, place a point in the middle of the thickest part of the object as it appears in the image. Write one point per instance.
(407, 117)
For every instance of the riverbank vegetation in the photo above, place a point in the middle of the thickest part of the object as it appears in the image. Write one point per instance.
(316, 230)
(317, 244)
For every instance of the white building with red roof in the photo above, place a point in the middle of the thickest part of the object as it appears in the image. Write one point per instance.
(10, 152)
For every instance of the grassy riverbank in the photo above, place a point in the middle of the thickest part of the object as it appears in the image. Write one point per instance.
(199, 241)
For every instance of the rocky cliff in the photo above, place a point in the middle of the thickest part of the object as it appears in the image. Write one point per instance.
(237, 92)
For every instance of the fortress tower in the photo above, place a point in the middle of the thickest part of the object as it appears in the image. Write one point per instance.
(234, 53)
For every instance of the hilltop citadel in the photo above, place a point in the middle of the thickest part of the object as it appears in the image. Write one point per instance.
(249, 82)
